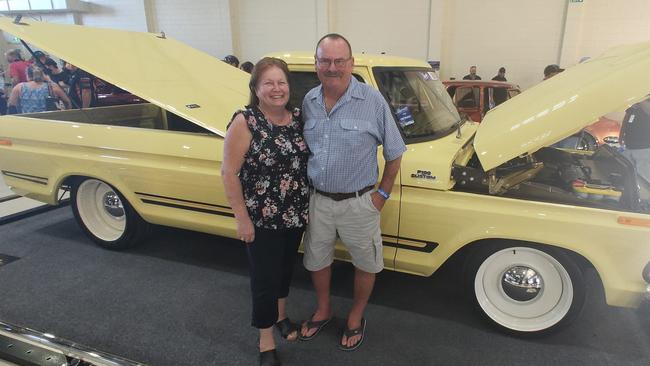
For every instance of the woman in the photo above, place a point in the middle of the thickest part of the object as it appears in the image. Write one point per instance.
(31, 96)
(265, 177)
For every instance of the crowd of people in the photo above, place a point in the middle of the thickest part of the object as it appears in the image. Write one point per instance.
(234, 61)
(39, 84)
(549, 71)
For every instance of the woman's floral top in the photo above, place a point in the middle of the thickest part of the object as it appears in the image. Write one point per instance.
(274, 173)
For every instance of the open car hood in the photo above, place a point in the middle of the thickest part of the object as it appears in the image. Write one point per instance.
(563, 105)
(165, 72)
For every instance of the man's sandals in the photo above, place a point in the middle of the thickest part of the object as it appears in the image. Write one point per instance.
(349, 333)
(310, 324)
(286, 327)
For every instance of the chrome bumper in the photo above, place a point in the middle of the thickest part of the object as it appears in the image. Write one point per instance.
(24, 346)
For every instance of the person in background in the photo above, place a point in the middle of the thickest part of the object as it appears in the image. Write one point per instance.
(247, 66)
(231, 60)
(31, 96)
(264, 174)
(81, 87)
(41, 57)
(56, 74)
(501, 76)
(17, 67)
(472, 74)
(635, 137)
(551, 70)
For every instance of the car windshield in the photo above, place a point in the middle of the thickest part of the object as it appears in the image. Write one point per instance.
(422, 106)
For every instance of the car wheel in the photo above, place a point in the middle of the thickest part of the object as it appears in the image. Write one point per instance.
(527, 289)
(105, 216)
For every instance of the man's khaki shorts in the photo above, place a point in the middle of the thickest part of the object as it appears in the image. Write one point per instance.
(357, 222)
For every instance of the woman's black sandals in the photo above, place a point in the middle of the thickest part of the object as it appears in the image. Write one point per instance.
(286, 327)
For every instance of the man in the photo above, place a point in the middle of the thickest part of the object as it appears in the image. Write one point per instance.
(551, 70)
(472, 74)
(345, 121)
(82, 88)
(635, 135)
(41, 57)
(17, 67)
(57, 75)
(501, 76)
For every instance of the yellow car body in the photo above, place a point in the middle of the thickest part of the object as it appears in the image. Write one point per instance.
(169, 172)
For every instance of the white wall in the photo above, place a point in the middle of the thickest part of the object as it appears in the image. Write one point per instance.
(203, 24)
(597, 25)
(374, 26)
(523, 37)
(267, 26)
(120, 14)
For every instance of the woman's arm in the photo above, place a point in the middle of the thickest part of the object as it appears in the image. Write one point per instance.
(15, 95)
(236, 144)
(61, 95)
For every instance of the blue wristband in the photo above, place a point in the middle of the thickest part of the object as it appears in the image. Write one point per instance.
(383, 193)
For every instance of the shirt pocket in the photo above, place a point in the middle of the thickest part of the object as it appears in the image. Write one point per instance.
(355, 131)
(310, 133)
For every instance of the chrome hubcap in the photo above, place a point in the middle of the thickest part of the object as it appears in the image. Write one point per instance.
(521, 283)
(113, 204)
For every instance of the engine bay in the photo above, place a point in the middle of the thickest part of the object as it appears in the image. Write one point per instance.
(602, 179)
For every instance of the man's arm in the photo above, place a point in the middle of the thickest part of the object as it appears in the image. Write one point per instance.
(391, 168)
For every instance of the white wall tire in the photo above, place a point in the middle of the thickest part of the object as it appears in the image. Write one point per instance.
(105, 216)
(525, 289)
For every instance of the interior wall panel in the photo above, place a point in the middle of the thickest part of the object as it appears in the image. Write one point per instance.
(374, 26)
(270, 26)
(523, 37)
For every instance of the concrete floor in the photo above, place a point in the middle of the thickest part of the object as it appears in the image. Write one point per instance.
(182, 298)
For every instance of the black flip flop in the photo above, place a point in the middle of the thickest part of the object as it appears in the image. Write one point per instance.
(286, 327)
(351, 333)
(320, 324)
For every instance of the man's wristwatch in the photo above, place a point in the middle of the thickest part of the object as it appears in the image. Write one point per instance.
(383, 193)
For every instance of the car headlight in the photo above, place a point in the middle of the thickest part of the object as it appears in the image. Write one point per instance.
(611, 140)
(646, 273)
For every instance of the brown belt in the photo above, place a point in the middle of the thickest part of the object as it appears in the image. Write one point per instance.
(344, 196)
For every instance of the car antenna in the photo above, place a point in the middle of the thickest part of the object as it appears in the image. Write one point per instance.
(458, 125)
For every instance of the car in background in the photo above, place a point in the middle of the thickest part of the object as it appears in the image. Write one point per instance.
(605, 131)
(474, 98)
(109, 95)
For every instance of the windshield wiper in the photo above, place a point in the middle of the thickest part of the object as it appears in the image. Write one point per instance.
(457, 125)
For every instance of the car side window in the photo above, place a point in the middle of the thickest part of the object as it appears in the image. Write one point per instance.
(467, 97)
(302, 82)
(512, 93)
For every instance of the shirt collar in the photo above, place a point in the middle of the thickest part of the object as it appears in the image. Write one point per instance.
(353, 91)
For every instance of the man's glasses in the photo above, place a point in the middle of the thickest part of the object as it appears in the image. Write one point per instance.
(339, 62)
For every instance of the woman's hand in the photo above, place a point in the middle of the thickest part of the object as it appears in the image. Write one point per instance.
(246, 230)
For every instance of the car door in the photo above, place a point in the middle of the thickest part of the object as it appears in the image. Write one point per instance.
(302, 79)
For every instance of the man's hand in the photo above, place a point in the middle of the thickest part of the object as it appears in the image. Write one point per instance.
(377, 200)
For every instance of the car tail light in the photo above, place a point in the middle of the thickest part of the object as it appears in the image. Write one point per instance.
(5, 142)
(578, 183)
